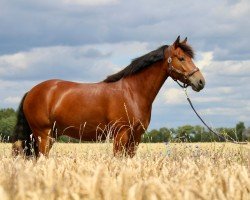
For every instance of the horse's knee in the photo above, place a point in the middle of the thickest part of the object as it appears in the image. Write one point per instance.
(120, 143)
(133, 144)
(121, 138)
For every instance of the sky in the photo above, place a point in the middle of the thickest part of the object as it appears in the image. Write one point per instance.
(86, 40)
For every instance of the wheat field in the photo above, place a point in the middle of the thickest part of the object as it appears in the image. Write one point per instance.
(158, 171)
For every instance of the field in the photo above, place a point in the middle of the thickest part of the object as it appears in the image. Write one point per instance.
(158, 171)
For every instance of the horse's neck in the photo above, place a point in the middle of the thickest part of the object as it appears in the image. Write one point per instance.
(146, 84)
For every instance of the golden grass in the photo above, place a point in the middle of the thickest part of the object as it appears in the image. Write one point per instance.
(158, 171)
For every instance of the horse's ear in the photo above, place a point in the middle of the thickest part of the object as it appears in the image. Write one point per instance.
(185, 40)
(177, 42)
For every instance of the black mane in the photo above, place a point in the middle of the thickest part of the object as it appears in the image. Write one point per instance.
(145, 61)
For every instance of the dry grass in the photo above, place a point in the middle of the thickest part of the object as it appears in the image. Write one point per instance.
(158, 171)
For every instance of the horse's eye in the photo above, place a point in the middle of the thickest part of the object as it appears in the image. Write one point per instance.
(182, 59)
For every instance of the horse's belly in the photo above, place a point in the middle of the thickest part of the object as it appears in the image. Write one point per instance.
(85, 131)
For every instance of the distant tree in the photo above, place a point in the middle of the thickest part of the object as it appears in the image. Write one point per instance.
(153, 136)
(199, 134)
(7, 124)
(228, 133)
(161, 135)
(7, 112)
(185, 132)
(240, 127)
(246, 134)
(165, 134)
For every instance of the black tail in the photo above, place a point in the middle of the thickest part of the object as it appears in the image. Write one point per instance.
(22, 133)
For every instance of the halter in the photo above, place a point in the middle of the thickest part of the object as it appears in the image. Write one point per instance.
(185, 75)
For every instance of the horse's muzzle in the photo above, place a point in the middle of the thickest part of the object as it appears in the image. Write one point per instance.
(197, 83)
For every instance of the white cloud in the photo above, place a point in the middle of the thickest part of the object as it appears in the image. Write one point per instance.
(18, 60)
(212, 99)
(223, 67)
(224, 90)
(205, 59)
(74, 62)
(232, 67)
(12, 100)
(225, 111)
(218, 91)
(90, 2)
(174, 96)
(240, 9)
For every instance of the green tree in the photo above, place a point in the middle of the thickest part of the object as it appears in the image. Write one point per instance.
(154, 135)
(240, 127)
(7, 123)
(165, 134)
(151, 136)
(228, 133)
(185, 132)
(7, 112)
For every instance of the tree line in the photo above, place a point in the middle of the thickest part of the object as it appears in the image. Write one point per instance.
(186, 133)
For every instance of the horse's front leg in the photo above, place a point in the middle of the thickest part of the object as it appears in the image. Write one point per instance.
(133, 144)
(126, 143)
(120, 143)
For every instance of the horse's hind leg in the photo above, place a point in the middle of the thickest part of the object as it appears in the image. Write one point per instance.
(44, 142)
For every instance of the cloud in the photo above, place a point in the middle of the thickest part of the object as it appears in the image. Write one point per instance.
(12, 91)
(89, 2)
(205, 59)
(240, 9)
(12, 100)
(174, 96)
(230, 68)
(88, 62)
(220, 111)
(211, 26)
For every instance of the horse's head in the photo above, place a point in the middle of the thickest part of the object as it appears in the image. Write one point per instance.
(181, 67)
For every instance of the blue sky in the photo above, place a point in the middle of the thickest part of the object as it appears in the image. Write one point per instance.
(86, 40)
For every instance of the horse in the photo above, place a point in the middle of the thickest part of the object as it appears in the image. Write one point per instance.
(122, 102)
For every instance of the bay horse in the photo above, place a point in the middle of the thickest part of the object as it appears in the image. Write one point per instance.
(124, 99)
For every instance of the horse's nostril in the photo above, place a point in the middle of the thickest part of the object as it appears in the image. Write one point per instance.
(201, 82)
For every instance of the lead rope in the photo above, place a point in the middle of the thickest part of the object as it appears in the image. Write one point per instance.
(210, 129)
